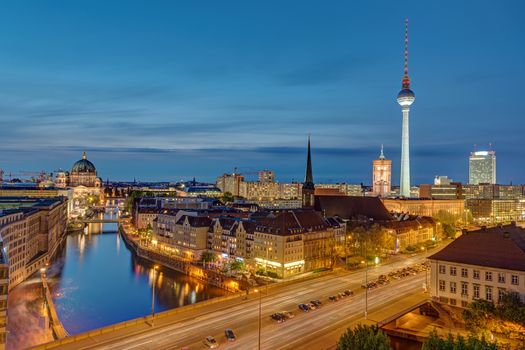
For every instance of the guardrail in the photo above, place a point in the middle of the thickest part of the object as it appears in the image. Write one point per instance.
(58, 328)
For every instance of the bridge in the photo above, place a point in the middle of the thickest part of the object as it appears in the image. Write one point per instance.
(101, 221)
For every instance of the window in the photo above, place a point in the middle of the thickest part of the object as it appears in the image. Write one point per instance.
(501, 294)
(501, 277)
(464, 288)
(488, 293)
(464, 273)
(441, 285)
(453, 302)
(442, 269)
(514, 280)
(452, 271)
(453, 287)
(488, 276)
(476, 291)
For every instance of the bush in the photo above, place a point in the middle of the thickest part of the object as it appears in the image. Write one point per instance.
(272, 274)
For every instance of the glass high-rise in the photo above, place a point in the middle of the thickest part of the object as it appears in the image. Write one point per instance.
(482, 167)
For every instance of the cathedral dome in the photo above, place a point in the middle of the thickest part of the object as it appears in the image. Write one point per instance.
(83, 166)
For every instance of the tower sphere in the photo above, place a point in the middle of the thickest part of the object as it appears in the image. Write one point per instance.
(406, 97)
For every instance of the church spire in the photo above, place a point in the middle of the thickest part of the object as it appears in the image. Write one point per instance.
(309, 178)
(308, 189)
(382, 155)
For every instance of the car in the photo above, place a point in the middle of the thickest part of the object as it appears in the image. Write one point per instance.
(349, 293)
(229, 335)
(279, 317)
(303, 307)
(341, 295)
(287, 314)
(316, 302)
(210, 342)
(333, 298)
(311, 306)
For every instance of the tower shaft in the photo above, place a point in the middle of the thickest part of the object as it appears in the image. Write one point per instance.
(405, 155)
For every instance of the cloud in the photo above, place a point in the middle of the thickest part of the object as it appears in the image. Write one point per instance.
(324, 72)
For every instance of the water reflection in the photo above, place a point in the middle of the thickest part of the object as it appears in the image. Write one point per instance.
(97, 281)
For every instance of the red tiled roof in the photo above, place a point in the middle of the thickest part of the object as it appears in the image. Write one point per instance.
(499, 247)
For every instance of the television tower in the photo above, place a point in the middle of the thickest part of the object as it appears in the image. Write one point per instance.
(405, 98)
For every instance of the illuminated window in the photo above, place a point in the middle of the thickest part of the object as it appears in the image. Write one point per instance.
(453, 287)
(442, 269)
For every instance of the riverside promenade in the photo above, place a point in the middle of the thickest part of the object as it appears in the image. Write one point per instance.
(158, 256)
(58, 329)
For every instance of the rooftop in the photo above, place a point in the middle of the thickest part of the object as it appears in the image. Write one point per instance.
(499, 247)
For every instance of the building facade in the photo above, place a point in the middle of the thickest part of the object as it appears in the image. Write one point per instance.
(482, 167)
(425, 207)
(184, 236)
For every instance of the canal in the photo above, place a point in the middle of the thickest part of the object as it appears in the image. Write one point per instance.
(97, 281)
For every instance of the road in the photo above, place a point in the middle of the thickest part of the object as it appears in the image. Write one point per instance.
(303, 329)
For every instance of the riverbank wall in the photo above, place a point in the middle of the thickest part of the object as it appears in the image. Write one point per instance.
(207, 276)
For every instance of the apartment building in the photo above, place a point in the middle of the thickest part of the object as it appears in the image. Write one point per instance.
(185, 236)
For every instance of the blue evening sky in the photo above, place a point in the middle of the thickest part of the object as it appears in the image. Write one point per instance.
(168, 90)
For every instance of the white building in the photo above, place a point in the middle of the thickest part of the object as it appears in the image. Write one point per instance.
(483, 264)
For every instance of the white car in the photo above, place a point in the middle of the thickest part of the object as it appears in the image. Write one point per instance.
(210, 342)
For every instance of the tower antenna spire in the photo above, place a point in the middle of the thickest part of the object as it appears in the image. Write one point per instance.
(406, 78)
(382, 155)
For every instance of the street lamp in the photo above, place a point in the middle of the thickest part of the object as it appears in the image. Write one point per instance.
(424, 248)
(155, 268)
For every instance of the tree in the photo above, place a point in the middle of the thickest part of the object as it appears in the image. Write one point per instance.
(364, 337)
(434, 342)
(227, 197)
(445, 217)
(477, 315)
(449, 231)
(371, 241)
(510, 308)
(237, 265)
(208, 257)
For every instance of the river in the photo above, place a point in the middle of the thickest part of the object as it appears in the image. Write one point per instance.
(97, 281)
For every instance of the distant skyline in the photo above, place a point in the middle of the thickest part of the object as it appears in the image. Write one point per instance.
(161, 90)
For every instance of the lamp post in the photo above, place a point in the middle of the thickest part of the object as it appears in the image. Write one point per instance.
(424, 249)
(260, 316)
(153, 294)
(366, 289)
